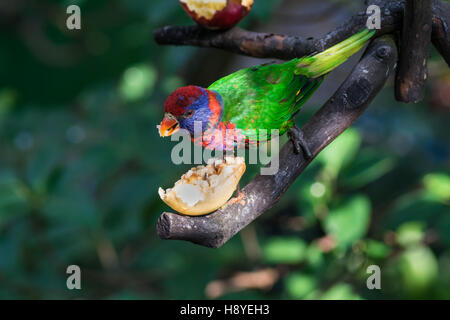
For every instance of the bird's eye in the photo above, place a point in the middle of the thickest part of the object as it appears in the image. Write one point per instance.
(189, 113)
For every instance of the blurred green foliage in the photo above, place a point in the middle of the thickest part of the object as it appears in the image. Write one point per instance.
(81, 163)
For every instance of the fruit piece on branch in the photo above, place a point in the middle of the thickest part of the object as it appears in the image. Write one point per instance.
(217, 14)
(204, 189)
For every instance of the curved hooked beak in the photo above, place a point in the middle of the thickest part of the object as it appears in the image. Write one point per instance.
(168, 126)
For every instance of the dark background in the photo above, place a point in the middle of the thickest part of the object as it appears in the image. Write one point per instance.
(81, 162)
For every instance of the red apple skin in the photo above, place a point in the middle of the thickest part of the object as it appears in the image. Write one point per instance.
(224, 19)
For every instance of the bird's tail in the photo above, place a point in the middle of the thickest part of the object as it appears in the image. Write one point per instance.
(322, 63)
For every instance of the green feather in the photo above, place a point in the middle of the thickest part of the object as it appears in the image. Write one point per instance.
(269, 95)
(331, 58)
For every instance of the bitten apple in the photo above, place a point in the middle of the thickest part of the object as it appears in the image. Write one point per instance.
(217, 14)
(204, 189)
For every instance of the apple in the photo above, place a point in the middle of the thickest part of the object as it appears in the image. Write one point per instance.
(217, 14)
(204, 189)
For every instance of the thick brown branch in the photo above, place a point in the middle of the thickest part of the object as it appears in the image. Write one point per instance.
(441, 29)
(414, 51)
(269, 45)
(346, 105)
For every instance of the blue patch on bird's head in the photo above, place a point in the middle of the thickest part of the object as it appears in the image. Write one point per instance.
(197, 111)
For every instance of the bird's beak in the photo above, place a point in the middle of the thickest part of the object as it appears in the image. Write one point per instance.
(168, 126)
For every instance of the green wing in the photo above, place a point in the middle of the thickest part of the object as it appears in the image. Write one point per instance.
(264, 97)
(268, 96)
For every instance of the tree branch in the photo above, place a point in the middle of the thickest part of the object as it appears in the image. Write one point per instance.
(269, 45)
(343, 108)
(414, 51)
(441, 29)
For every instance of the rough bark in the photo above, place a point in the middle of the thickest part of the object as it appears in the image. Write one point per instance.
(414, 51)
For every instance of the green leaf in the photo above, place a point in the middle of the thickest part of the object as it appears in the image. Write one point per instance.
(137, 81)
(410, 233)
(340, 152)
(314, 256)
(299, 285)
(340, 291)
(349, 222)
(419, 269)
(284, 250)
(377, 250)
(438, 184)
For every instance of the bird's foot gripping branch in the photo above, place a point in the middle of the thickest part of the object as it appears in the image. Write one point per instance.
(343, 108)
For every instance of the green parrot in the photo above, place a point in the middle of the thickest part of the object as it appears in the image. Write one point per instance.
(231, 111)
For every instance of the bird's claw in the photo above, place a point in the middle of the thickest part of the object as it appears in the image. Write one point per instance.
(299, 141)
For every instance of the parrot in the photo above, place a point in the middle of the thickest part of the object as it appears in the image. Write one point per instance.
(233, 110)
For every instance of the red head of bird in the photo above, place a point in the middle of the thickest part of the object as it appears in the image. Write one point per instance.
(188, 106)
